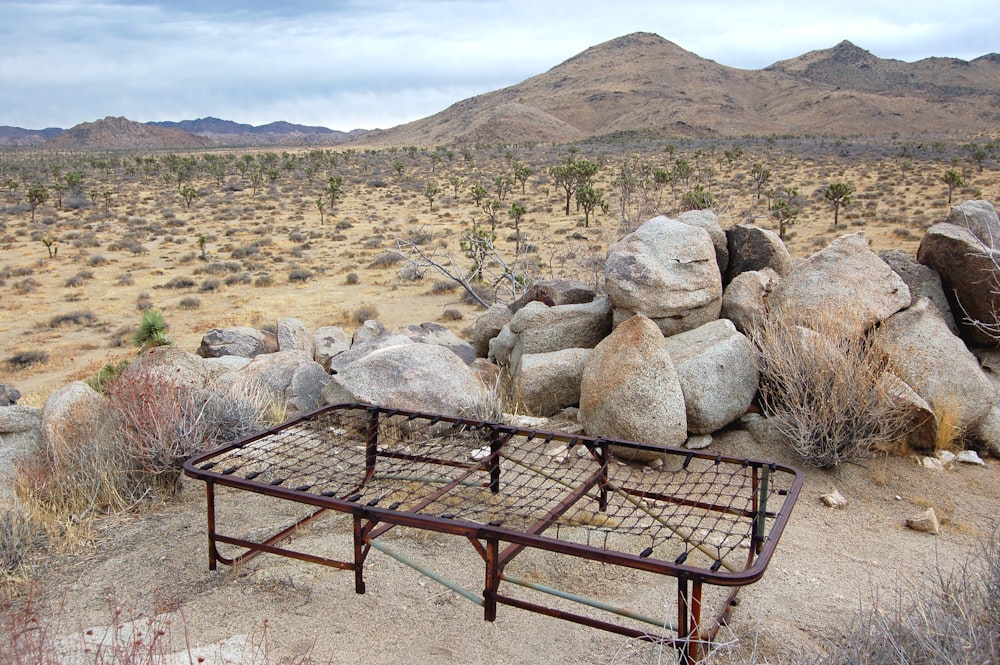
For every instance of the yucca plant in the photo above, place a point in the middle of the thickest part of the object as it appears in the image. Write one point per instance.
(152, 331)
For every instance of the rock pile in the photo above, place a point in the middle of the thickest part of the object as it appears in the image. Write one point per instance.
(662, 357)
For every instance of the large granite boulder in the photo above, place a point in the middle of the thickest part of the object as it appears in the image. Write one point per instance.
(163, 366)
(553, 292)
(709, 221)
(75, 416)
(978, 218)
(630, 390)
(936, 364)
(433, 333)
(716, 370)
(667, 271)
(290, 377)
(239, 341)
(846, 284)
(294, 336)
(754, 248)
(744, 301)
(329, 341)
(923, 282)
(541, 329)
(420, 377)
(970, 276)
(546, 383)
(20, 437)
(489, 326)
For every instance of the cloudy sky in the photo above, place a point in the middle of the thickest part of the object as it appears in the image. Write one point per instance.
(365, 64)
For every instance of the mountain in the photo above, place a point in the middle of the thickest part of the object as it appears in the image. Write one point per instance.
(123, 134)
(644, 85)
(227, 132)
(11, 137)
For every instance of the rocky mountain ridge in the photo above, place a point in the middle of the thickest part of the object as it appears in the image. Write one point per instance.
(640, 86)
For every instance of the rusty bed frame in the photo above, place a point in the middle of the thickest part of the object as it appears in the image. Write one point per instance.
(703, 519)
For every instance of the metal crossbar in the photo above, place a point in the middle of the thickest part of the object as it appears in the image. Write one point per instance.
(701, 518)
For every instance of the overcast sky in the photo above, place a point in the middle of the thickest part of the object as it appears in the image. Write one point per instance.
(356, 64)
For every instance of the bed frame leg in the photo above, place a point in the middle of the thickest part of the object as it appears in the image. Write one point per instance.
(492, 579)
(359, 556)
(213, 560)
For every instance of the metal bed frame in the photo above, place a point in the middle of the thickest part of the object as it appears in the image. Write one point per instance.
(705, 519)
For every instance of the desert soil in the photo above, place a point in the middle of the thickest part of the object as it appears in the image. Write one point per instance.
(829, 563)
(154, 563)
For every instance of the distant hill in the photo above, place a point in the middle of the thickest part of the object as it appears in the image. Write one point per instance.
(16, 137)
(123, 134)
(644, 85)
(227, 132)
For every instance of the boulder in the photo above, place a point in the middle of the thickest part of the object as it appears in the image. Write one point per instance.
(420, 377)
(846, 284)
(8, 395)
(716, 371)
(20, 436)
(489, 326)
(969, 274)
(709, 221)
(294, 336)
(980, 219)
(502, 346)
(540, 328)
(367, 331)
(433, 333)
(754, 248)
(630, 390)
(546, 383)
(328, 342)
(553, 292)
(987, 432)
(744, 301)
(15, 419)
(239, 341)
(163, 366)
(921, 423)
(665, 270)
(922, 281)
(291, 377)
(74, 415)
(936, 364)
(223, 365)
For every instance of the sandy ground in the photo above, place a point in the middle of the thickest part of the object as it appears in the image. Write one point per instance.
(828, 563)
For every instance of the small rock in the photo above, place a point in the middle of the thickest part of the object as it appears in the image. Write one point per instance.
(946, 456)
(834, 500)
(926, 522)
(932, 463)
(9, 395)
(698, 441)
(527, 422)
(969, 457)
(655, 463)
(479, 454)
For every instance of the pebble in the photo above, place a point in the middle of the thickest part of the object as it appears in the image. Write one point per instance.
(834, 500)
(970, 457)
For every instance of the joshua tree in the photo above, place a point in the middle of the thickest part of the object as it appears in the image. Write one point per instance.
(786, 209)
(333, 187)
(37, 195)
(758, 178)
(188, 193)
(431, 191)
(320, 205)
(589, 198)
(839, 195)
(521, 174)
(953, 179)
(517, 211)
(572, 173)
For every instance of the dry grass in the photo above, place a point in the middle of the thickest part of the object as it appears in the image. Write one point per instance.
(823, 390)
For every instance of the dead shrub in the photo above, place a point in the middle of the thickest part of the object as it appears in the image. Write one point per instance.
(823, 389)
(952, 618)
(162, 423)
(20, 537)
(25, 359)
